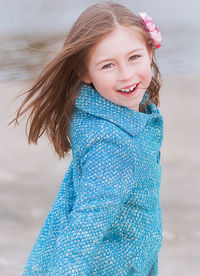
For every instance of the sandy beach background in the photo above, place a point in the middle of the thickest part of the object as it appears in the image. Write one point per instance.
(30, 175)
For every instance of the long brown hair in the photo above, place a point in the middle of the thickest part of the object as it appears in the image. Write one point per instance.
(52, 95)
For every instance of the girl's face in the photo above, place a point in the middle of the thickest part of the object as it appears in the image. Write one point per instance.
(120, 61)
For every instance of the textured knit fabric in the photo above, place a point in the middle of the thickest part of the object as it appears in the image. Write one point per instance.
(106, 218)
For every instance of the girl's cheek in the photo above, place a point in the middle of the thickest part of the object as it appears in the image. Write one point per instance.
(145, 69)
(109, 74)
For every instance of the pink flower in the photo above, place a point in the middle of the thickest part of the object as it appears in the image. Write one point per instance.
(152, 29)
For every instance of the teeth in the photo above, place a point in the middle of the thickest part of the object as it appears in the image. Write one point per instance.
(130, 89)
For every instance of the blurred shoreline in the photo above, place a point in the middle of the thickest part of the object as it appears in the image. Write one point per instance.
(23, 55)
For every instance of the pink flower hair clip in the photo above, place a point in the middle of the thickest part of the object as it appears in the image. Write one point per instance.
(152, 29)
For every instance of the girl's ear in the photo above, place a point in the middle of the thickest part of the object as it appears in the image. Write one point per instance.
(84, 78)
(150, 55)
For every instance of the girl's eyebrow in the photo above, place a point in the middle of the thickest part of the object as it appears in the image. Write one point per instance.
(135, 50)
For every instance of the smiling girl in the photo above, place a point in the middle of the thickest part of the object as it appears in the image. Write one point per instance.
(119, 67)
(99, 96)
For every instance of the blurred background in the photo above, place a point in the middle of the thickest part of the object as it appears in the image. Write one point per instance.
(30, 34)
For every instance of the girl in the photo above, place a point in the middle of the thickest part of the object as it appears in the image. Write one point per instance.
(99, 96)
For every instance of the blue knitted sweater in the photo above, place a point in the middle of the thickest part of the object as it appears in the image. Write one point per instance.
(106, 218)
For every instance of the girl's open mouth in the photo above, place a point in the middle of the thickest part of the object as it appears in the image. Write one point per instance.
(130, 91)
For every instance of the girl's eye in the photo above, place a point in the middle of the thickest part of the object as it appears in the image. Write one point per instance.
(107, 66)
(134, 57)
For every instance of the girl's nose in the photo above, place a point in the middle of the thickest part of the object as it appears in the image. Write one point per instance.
(125, 73)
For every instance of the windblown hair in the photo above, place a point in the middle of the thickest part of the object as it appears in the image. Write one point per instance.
(51, 98)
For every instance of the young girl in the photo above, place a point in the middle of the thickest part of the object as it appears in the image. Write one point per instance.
(99, 96)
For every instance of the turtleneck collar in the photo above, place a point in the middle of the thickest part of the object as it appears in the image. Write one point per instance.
(90, 101)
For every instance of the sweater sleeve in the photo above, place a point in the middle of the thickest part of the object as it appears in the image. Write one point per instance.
(104, 186)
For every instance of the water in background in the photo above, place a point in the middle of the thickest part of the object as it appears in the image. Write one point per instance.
(31, 32)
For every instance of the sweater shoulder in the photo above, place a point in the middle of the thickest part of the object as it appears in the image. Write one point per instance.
(86, 129)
